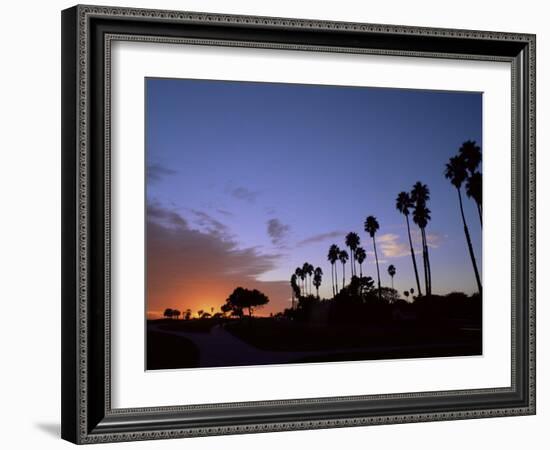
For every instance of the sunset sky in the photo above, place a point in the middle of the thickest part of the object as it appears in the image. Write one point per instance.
(246, 181)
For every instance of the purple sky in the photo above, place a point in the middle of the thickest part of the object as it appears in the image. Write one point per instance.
(249, 180)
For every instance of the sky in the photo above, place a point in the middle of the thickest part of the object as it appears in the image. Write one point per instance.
(246, 181)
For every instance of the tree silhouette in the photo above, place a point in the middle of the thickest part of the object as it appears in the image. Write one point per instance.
(307, 268)
(474, 191)
(371, 227)
(200, 312)
(391, 271)
(352, 241)
(187, 314)
(420, 195)
(360, 255)
(242, 298)
(470, 153)
(176, 313)
(168, 313)
(343, 257)
(295, 288)
(333, 253)
(455, 172)
(404, 203)
(301, 275)
(317, 279)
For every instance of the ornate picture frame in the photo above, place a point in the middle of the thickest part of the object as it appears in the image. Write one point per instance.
(87, 35)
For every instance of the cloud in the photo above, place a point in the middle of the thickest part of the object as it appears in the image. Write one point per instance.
(277, 231)
(210, 224)
(225, 213)
(156, 172)
(197, 269)
(391, 245)
(245, 194)
(320, 238)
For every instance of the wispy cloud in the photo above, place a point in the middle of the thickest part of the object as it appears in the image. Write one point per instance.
(223, 212)
(321, 237)
(394, 246)
(277, 231)
(243, 193)
(156, 172)
(210, 224)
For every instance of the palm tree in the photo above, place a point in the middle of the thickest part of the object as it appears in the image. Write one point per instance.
(391, 271)
(352, 241)
(317, 279)
(332, 256)
(295, 288)
(301, 275)
(474, 191)
(307, 268)
(455, 171)
(188, 314)
(360, 255)
(404, 203)
(343, 257)
(371, 227)
(200, 312)
(420, 195)
(176, 313)
(470, 153)
(168, 313)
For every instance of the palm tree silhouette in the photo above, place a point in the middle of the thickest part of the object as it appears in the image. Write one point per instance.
(360, 255)
(474, 191)
(295, 288)
(301, 275)
(343, 257)
(371, 227)
(332, 256)
(307, 268)
(391, 271)
(420, 194)
(200, 312)
(455, 172)
(470, 153)
(404, 203)
(317, 279)
(352, 241)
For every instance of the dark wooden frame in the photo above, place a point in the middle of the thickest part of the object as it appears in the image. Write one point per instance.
(87, 32)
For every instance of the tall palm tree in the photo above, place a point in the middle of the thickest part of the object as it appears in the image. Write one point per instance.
(404, 203)
(343, 257)
(317, 279)
(300, 274)
(474, 191)
(391, 271)
(470, 153)
(332, 256)
(455, 172)
(371, 227)
(352, 241)
(360, 255)
(307, 268)
(295, 288)
(420, 195)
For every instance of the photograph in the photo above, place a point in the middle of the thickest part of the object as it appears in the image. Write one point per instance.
(302, 223)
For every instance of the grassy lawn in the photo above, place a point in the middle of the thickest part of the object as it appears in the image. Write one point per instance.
(165, 351)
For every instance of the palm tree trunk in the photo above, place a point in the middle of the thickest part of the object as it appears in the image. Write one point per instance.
(377, 268)
(332, 278)
(469, 242)
(424, 258)
(479, 212)
(428, 263)
(336, 276)
(413, 258)
(392, 282)
(361, 270)
(343, 275)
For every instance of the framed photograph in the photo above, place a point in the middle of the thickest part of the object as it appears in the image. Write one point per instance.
(278, 224)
